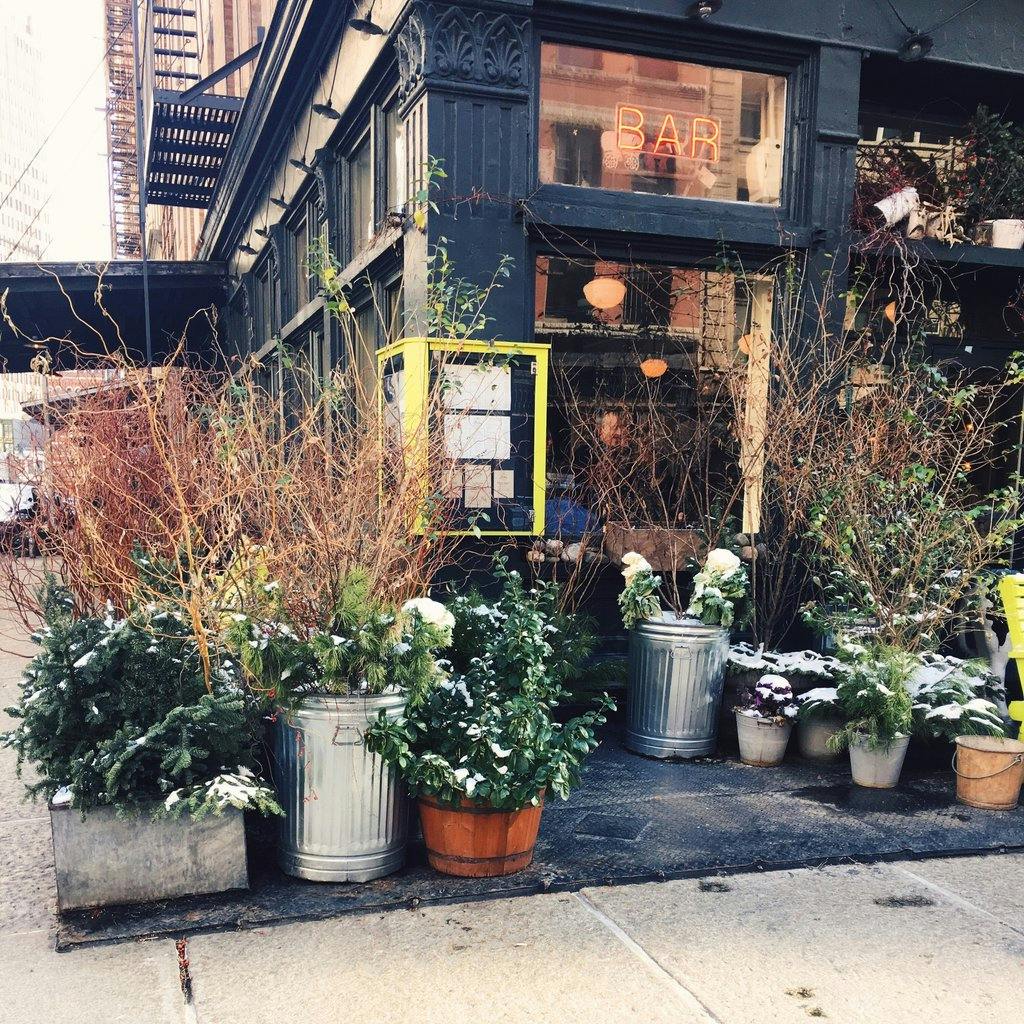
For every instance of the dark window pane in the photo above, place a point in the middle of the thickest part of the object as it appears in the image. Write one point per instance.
(360, 183)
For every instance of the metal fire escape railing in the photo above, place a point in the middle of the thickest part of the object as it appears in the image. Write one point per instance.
(122, 166)
(189, 129)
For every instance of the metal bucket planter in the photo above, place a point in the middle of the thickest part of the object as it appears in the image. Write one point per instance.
(813, 735)
(101, 860)
(879, 767)
(346, 810)
(989, 771)
(676, 676)
(762, 740)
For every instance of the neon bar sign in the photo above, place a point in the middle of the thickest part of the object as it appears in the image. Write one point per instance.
(659, 134)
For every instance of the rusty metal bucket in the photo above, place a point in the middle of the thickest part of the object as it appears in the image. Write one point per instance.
(989, 771)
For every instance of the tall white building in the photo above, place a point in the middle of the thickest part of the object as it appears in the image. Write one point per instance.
(24, 224)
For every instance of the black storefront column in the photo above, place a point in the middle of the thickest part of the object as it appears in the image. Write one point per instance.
(830, 179)
(465, 78)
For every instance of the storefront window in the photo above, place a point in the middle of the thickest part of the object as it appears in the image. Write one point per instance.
(360, 181)
(644, 124)
(394, 158)
(624, 313)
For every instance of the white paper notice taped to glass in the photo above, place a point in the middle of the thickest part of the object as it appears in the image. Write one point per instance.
(478, 437)
(473, 386)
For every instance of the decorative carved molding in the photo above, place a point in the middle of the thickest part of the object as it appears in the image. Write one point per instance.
(449, 44)
(247, 310)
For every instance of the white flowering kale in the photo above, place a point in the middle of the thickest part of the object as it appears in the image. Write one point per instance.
(486, 728)
(639, 599)
(720, 590)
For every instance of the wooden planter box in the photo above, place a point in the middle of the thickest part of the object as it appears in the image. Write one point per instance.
(666, 550)
(102, 861)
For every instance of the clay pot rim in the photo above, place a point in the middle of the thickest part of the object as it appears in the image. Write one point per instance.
(479, 807)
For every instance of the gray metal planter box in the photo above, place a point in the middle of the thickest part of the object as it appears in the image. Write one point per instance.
(101, 860)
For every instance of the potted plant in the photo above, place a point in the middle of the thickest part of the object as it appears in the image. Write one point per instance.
(764, 721)
(993, 180)
(817, 723)
(677, 661)
(144, 752)
(877, 709)
(951, 698)
(345, 810)
(479, 743)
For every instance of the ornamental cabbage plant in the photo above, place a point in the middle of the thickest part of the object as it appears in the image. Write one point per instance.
(639, 599)
(485, 729)
(770, 699)
(720, 590)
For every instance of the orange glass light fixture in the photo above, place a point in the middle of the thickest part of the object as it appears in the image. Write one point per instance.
(604, 292)
(653, 368)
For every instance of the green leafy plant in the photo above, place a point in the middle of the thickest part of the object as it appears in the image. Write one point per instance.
(117, 711)
(720, 590)
(364, 646)
(485, 730)
(874, 700)
(639, 599)
(954, 698)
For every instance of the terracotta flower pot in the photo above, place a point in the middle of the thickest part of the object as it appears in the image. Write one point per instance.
(475, 840)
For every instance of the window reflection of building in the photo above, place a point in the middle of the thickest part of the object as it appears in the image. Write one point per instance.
(644, 124)
(671, 325)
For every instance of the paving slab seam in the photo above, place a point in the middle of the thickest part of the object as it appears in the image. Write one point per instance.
(683, 993)
(956, 899)
(66, 943)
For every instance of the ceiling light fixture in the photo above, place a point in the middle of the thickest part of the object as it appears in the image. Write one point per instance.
(326, 110)
(604, 292)
(280, 201)
(365, 24)
(916, 46)
(703, 9)
(653, 368)
(301, 165)
(247, 249)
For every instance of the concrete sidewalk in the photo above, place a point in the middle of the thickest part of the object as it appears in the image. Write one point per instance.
(937, 940)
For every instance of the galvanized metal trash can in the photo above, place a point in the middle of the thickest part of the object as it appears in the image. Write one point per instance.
(676, 678)
(346, 810)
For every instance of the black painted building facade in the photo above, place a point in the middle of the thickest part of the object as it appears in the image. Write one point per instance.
(581, 138)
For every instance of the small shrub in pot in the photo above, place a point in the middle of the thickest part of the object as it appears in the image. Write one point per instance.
(764, 721)
(479, 743)
(876, 705)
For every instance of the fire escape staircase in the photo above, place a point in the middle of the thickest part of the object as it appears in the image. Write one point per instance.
(190, 128)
